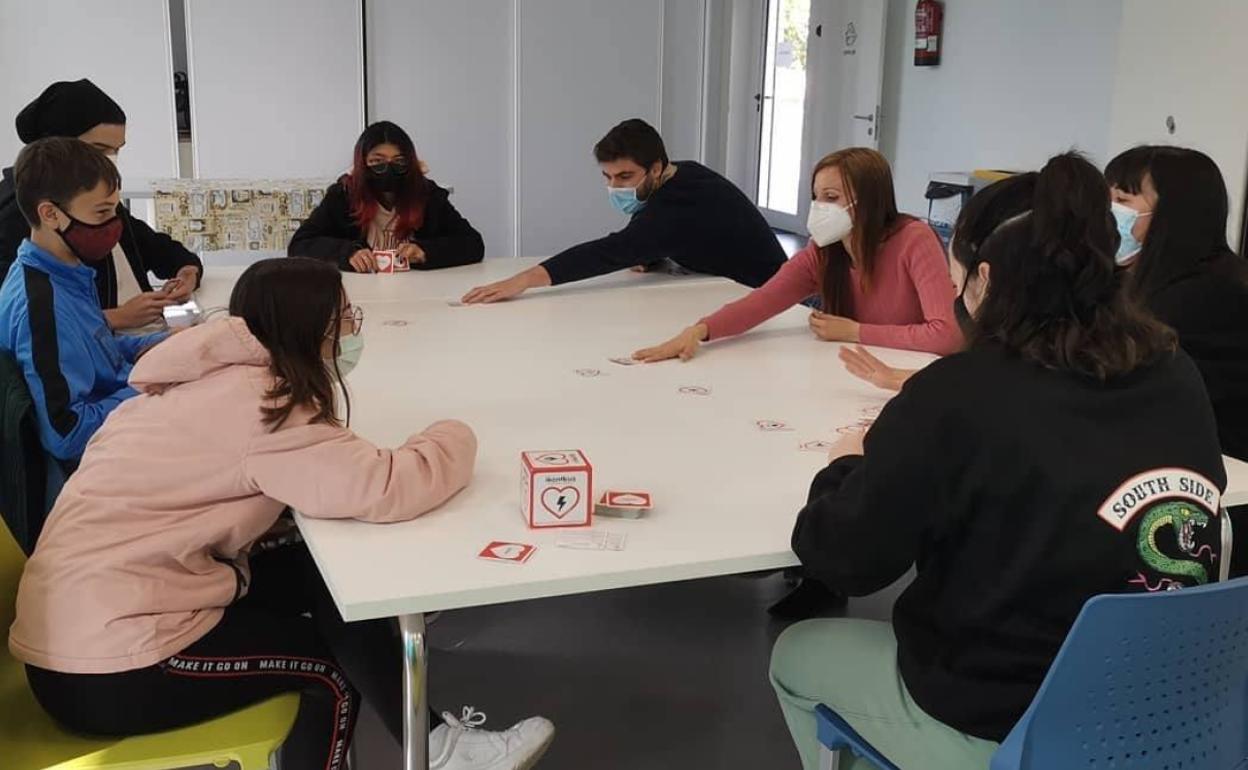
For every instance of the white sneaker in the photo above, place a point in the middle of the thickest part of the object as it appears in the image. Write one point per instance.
(460, 744)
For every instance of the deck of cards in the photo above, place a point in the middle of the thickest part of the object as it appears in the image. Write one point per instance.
(389, 261)
(556, 488)
(623, 504)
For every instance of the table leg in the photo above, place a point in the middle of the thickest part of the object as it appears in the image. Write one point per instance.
(415, 693)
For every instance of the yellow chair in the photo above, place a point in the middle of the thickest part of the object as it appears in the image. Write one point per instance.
(30, 740)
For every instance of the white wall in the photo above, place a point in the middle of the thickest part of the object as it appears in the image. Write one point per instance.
(581, 68)
(1186, 60)
(276, 86)
(444, 72)
(52, 40)
(1019, 81)
(681, 120)
(523, 171)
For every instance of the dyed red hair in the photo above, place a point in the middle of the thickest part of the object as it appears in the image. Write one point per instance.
(409, 199)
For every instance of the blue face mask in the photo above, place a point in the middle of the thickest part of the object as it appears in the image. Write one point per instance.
(624, 200)
(1128, 245)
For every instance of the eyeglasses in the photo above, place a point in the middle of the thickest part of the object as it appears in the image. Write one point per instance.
(356, 316)
(397, 167)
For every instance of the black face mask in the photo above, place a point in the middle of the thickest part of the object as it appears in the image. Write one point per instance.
(387, 177)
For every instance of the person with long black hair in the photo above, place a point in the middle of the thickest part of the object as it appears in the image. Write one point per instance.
(386, 202)
(143, 608)
(1171, 207)
(1015, 478)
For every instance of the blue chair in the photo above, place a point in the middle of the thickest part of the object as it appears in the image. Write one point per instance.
(836, 735)
(1143, 681)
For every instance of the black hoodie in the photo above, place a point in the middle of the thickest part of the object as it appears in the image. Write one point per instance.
(1018, 493)
(145, 249)
(1208, 307)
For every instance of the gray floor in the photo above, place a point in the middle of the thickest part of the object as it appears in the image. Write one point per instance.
(670, 676)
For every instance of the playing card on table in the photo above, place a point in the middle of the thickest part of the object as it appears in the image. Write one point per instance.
(592, 541)
(503, 551)
(817, 445)
(772, 425)
(624, 360)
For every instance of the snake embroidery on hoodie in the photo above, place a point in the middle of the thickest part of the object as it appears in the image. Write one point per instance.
(1178, 530)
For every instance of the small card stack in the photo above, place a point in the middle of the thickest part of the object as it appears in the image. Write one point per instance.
(623, 504)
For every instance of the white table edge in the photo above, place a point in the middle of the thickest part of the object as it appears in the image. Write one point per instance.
(602, 581)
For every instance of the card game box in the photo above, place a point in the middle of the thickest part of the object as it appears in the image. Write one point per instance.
(389, 261)
(556, 488)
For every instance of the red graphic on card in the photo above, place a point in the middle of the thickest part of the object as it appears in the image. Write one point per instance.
(500, 550)
(559, 500)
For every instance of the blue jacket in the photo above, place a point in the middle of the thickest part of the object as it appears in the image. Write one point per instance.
(75, 367)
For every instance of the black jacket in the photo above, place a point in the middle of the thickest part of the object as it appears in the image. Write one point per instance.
(23, 474)
(1017, 493)
(697, 219)
(145, 249)
(330, 233)
(1208, 307)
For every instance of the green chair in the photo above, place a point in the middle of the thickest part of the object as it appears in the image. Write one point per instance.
(30, 740)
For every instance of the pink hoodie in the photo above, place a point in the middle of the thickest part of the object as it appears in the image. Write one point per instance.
(148, 541)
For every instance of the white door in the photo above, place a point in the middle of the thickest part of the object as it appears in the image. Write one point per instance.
(839, 63)
(780, 104)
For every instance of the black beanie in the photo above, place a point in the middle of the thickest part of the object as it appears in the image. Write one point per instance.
(67, 109)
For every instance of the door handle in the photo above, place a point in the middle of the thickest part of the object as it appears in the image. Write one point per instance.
(868, 118)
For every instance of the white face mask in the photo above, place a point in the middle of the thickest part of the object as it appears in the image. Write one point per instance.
(828, 222)
(350, 348)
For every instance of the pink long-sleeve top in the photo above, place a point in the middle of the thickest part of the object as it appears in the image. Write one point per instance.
(908, 305)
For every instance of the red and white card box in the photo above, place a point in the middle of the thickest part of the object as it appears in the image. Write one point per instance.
(557, 488)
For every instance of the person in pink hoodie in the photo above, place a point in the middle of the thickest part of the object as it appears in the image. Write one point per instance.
(881, 276)
(140, 610)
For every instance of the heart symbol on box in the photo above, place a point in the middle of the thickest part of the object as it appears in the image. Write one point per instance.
(560, 500)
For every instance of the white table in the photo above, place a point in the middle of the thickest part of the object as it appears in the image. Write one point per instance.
(451, 283)
(726, 493)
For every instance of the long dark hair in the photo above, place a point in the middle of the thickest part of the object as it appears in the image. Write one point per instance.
(410, 197)
(290, 304)
(987, 210)
(869, 182)
(1054, 296)
(1188, 224)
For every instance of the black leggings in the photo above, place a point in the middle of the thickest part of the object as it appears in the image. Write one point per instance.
(262, 647)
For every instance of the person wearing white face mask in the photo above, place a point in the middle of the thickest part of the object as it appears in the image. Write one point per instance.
(984, 478)
(881, 276)
(237, 419)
